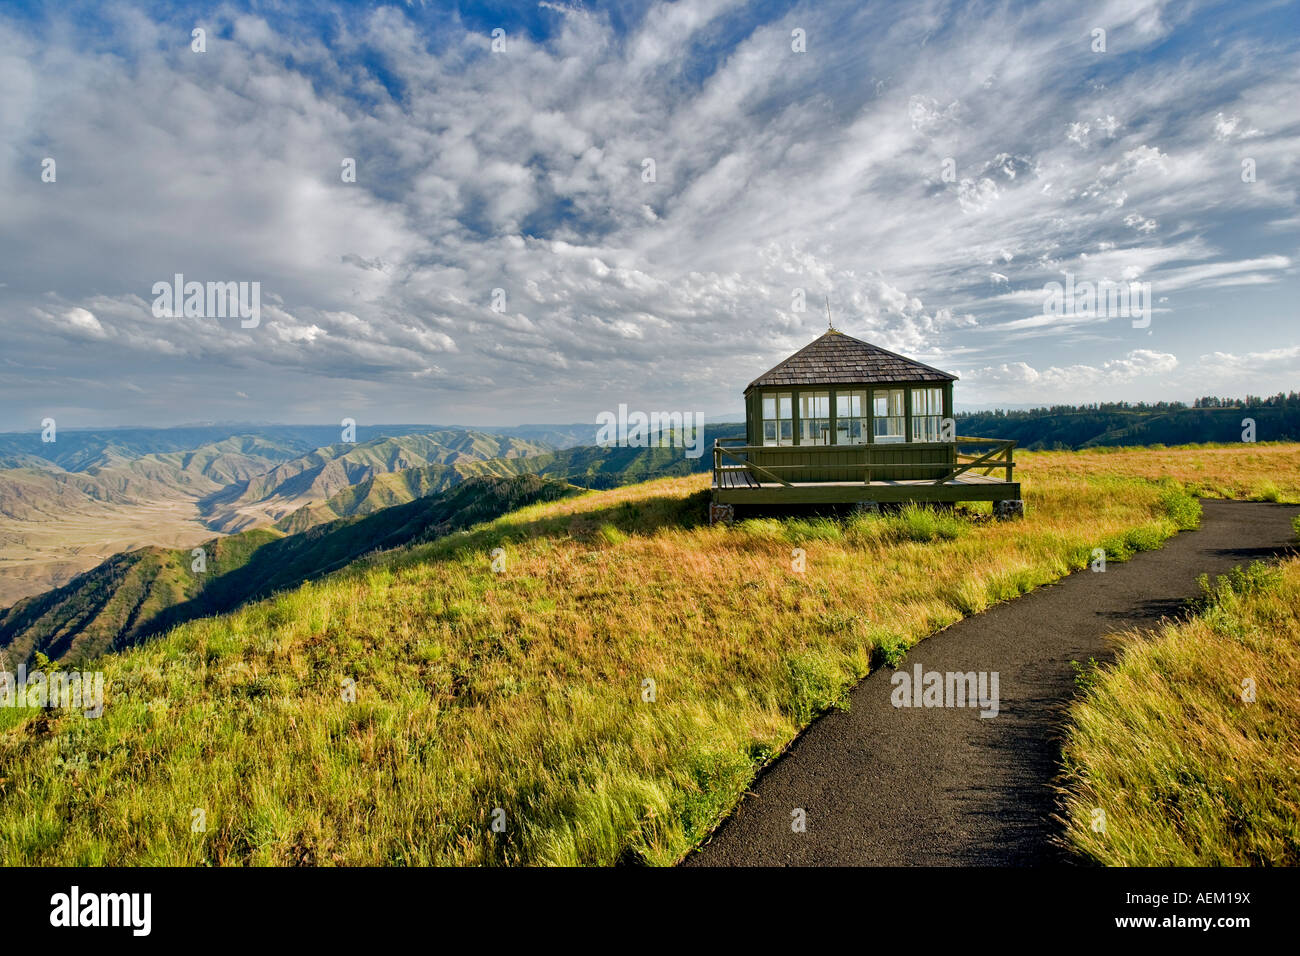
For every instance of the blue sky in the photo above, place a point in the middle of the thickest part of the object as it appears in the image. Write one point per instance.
(927, 167)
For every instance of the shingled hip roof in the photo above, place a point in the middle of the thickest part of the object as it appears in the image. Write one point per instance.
(836, 358)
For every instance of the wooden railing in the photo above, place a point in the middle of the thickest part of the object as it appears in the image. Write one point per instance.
(720, 449)
(996, 458)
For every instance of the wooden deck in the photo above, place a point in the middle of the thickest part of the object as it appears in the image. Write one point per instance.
(740, 488)
(739, 482)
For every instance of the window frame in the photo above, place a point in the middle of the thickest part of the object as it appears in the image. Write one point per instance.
(781, 400)
(814, 411)
(889, 392)
(846, 417)
(927, 420)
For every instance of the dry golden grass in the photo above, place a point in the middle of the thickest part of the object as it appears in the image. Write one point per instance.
(1264, 471)
(1169, 764)
(523, 692)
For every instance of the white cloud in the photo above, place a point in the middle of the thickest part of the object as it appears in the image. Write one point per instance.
(775, 171)
(1286, 357)
(73, 322)
(1062, 382)
(1226, 128)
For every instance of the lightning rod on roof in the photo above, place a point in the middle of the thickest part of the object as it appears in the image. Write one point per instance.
(829, 325)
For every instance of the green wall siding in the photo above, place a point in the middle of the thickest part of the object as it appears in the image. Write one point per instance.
(797, 463)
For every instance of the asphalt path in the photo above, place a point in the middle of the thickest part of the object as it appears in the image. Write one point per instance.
(886, 785)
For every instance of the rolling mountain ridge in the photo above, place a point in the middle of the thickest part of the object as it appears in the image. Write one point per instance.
(267, 497)
(140, 593)
(67, 505)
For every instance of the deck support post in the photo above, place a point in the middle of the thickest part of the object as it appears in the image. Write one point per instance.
(723, 513)
(1013, 508)
(867, 507)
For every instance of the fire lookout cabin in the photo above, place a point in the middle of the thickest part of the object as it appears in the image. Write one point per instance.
(842, 421)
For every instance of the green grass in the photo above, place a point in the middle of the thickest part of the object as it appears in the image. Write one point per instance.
(1166, 750)
(911, 523)
(526, 691)
(134, 595)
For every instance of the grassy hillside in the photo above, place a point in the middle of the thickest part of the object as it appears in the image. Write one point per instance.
(1262, 471)
(118, 600)
(525, 691)
(1187, 772)
(134, 595)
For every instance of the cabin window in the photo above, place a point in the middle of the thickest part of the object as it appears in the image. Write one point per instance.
(927, 414)
(778, 418)
(814, 418)
(852, 418)
(888, 413)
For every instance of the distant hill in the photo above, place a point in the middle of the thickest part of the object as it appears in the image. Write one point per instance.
(375, 502)
(588, 467)
(1111, 425)
(43, 488)
(56, 523)
(557, 436)
(96, 494)
(373, 494)
(327, 471)
(608, 467)
(134, 595)
(78, 449)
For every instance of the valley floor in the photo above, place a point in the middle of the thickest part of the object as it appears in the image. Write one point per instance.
(37, 556)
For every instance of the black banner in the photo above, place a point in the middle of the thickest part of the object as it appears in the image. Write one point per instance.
(640, 906)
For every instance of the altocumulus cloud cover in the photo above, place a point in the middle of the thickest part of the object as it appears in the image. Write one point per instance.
(522, 170)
